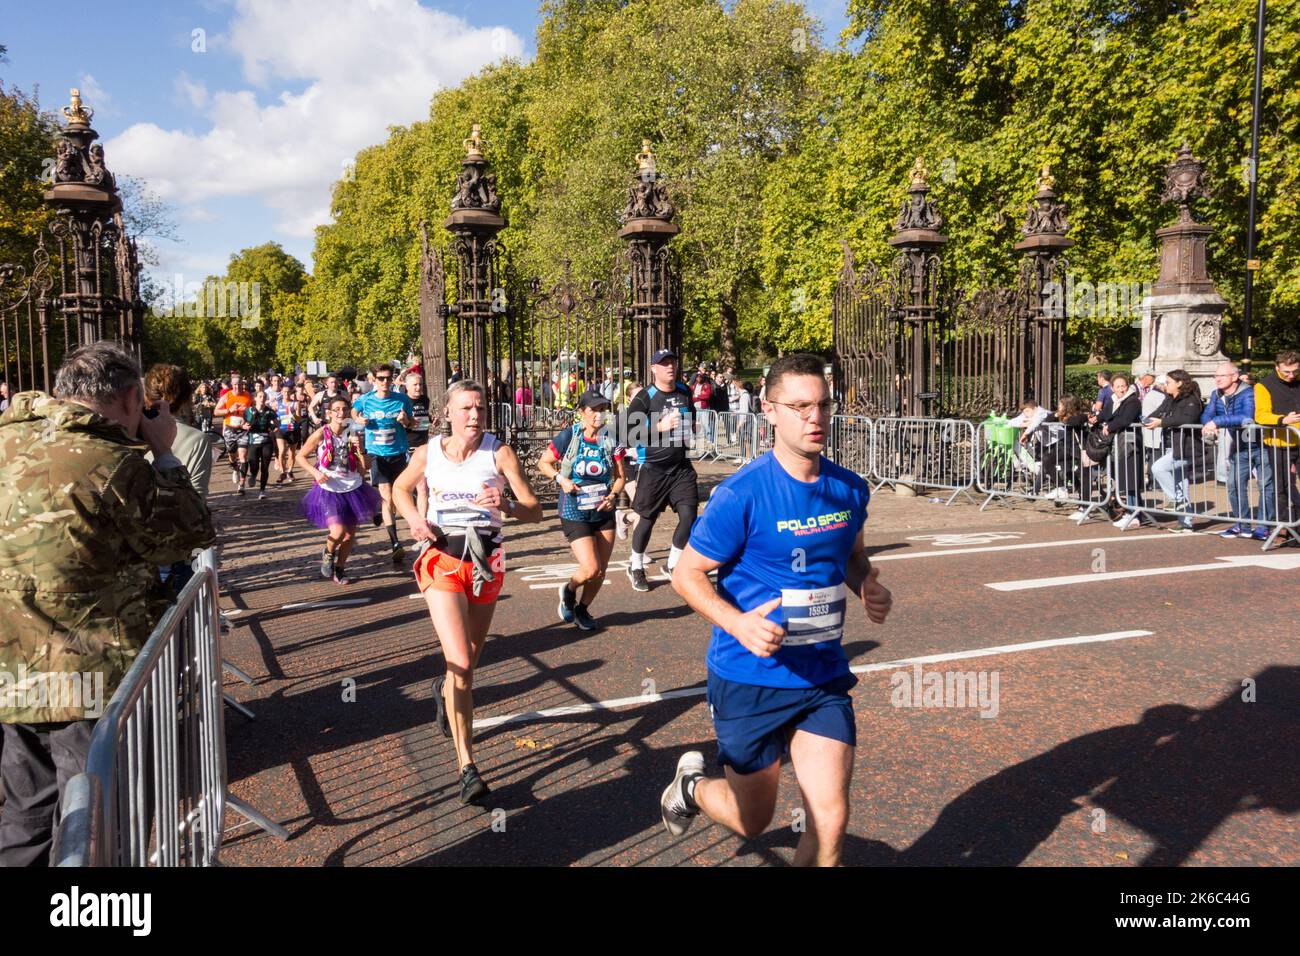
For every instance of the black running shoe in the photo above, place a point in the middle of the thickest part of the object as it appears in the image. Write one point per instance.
(441, 704)
(582, 617)
(638, 579)
(327, 563)
(342, 577)
(472, 786)
(377, 520)
(568, 598)
(399, 553)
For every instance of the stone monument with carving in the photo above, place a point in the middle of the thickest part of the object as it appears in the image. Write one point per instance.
(1182, 319)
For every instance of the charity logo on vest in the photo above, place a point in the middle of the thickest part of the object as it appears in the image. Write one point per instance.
(76, 909)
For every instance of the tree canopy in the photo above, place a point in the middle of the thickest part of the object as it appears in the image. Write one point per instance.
(776, 148)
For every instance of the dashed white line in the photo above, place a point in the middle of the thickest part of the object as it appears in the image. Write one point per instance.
(619, 702)
(1276, 562)
(312, 605)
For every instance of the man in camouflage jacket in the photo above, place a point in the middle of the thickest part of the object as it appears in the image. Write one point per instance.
(86, 523)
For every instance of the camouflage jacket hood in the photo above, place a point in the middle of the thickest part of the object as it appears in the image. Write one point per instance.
(85, 522)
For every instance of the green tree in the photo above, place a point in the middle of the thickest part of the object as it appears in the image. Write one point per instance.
(27, 137)
(989, 91)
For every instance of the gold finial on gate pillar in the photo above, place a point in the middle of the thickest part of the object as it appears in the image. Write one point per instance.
(645, 160)
(76, 114)
(919, 174)
(474, 144)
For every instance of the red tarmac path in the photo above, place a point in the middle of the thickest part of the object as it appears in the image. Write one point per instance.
(1116, 752)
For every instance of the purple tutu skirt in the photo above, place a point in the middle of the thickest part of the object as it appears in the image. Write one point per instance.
(358, 506)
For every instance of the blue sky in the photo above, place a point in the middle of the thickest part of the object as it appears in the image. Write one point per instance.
(244, 126)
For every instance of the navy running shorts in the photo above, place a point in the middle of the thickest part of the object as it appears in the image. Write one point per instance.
(754, 724)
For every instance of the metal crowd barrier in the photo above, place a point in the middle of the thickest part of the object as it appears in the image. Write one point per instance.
(154, 790)
(925, 452)
(1048, 467)
(732, 440)
(704, 441)
(1242, 477)
(852, 443)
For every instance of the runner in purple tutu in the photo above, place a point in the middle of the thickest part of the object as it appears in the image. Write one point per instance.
(340, 499)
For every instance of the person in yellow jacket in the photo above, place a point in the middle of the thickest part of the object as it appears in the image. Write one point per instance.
(1277, 410)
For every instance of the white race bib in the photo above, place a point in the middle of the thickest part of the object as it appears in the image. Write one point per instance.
(589, 496)
(258, 438)
(813, 616)
(384, 436)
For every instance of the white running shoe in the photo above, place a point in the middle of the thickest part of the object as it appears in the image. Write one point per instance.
(1127, 523)
(678, 813)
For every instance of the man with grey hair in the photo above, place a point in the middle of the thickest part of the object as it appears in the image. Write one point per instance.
(88, 521)
(1229, 416)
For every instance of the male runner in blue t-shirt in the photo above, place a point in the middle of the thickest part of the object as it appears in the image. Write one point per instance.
(785, 533)
(385, 415)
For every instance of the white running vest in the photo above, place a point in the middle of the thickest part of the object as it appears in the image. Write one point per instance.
(341, 479)
(453, 486)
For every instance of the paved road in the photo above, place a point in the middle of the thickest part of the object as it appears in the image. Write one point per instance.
(1107, 724)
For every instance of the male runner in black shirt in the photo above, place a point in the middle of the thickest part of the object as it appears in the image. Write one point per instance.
(661, 418)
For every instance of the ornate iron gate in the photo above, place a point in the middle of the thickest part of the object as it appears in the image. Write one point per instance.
(865, 337)
(910, 344)
(537, 346)
(96, 262)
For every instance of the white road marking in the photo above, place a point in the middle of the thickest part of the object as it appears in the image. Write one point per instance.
(345, 602)
(618, 702)
(1276, 562)
(1117, 539)
(553, 575)
(967, 538)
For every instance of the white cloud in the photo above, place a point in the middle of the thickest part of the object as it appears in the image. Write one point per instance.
(366, 65)
(197, 214)
(193, 94)
(95, 96)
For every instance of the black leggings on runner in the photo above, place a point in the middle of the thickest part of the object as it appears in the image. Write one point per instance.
(259, 461)
(685, 518)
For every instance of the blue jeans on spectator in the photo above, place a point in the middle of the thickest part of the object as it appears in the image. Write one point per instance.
(1170, 474)
(1245, 458)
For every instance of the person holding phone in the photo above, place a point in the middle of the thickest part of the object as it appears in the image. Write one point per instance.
(80, 593)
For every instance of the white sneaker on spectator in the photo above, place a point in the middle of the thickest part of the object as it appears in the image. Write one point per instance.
(1080, 516)
(1128, 522)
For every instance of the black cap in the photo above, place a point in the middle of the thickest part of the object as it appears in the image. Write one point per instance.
(592, 399)
(662, 354)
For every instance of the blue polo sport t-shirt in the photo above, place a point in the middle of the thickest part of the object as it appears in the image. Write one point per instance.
(778, 536)
(384, 436)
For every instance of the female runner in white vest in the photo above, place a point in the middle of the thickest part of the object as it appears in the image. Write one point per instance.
(466, 474)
